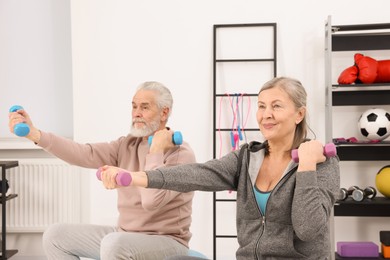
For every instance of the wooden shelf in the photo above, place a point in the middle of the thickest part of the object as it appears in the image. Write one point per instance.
(10, 253)
(361, 37)
(360, 27)
(10, 197)
(361, 94)
(377, 207)
(8, 164)
(364, 151)
(360, 42)
(338, 257)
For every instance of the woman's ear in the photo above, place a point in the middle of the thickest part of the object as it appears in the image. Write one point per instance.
(301, 115)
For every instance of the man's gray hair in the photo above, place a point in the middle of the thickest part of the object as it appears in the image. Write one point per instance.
(164, 97)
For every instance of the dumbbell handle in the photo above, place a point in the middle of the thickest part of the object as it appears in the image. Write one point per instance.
(122, 178)
(329, 151)
(177, 138)
(359, 195)
(21, 129)
(344, 193)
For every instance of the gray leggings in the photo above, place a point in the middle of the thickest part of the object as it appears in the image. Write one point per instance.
(72, 241)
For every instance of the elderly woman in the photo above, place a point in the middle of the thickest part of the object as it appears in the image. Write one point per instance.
(283, 206)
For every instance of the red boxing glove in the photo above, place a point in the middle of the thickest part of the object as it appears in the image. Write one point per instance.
(367, 68)
(348, 76)
(383, 73)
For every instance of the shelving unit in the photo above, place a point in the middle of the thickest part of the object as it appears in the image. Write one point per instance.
(216, 95)
(363, 37)
(6, 254)
(337, 257)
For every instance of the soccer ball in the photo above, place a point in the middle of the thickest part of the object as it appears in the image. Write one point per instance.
(374, 124)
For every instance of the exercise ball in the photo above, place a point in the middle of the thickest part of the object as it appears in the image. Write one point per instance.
(197, 254)
(382, 181)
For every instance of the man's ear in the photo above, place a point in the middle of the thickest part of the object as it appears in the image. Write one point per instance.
(164, 114)
(301, 115)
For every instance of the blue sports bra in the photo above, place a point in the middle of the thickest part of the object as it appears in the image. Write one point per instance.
(261, 198)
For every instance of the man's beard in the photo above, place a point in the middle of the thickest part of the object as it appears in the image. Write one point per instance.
(146, 130)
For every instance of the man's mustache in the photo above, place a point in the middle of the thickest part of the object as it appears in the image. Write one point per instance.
(138, 121)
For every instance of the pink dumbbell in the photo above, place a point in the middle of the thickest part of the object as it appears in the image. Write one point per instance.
(122, 179)
(329, 151)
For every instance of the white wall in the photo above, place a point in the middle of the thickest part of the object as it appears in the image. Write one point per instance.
(118, 44)
(36, 63)
(35, 72)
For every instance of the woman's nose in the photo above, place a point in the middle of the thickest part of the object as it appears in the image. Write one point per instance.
(267, 113)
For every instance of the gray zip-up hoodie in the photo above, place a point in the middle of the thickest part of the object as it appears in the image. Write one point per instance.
(296, 222)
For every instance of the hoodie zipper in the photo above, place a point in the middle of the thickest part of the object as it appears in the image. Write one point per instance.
(263, 214)
(263, 224)
(258, 240)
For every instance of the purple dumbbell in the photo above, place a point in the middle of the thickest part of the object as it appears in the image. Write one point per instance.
(122, 178)
(329, 151)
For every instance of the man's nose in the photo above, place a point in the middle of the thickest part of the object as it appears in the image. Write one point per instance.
(137, 112)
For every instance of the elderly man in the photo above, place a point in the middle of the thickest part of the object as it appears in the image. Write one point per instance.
(152, 224)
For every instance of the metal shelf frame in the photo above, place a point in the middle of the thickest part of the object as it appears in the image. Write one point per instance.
(217, 95)
(360, 37)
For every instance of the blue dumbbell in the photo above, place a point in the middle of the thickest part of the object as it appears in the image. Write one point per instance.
(21, 129)
(177, 138)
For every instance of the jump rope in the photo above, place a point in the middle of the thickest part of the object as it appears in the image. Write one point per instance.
(237, 132)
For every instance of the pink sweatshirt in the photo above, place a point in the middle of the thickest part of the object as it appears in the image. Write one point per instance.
(150, 211)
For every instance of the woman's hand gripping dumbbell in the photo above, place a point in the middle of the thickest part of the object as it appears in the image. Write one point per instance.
(112, 177)
(122, 178)
(329, 151)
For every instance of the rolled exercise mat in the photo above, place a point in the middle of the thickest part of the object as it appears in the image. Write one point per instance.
(357, 249)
